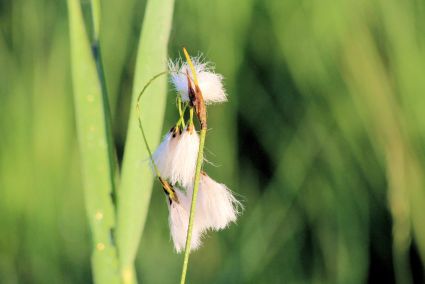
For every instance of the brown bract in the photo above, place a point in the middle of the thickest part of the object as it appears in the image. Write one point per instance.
(169, 190)
(197, 101)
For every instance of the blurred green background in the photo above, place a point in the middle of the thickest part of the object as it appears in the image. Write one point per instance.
(323, 139)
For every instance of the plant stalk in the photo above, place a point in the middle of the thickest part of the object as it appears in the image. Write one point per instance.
(193, 205)
(197, 101)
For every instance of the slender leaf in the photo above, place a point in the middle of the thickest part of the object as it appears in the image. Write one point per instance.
(136, 182)
(97, 165)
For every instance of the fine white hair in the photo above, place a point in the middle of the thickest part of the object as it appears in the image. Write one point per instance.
(210, 83)
(184, 158)
(216, 205)
(163, 155)
(176, 156)
(179, 222)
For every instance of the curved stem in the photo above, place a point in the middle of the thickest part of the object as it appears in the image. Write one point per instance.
(140, 120)
(146, 143)
(147, 85)
(164, 184)
(193, 205)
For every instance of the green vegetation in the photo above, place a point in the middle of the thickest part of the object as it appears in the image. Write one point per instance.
(323, 139)
(95, 143)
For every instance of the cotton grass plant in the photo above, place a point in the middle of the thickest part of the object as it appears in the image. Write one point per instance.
(177, 161)
(117, 224)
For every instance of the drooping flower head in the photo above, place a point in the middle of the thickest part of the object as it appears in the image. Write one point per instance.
(179, 221)
(176, 156)
(184, 158)
(210, 83)
(216, 205)
(163, 155)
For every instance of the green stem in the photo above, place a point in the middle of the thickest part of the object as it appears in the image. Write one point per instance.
(146, 144)
(193, 205)
(148, 83)
(181, 119)
(140, 120)
(181, 112)
(191, 116)
(165, 185)
(179, 105)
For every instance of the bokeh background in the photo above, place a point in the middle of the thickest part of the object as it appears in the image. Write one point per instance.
(323, 140)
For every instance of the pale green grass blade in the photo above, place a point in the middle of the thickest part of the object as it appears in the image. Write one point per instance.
(97, 165)
(136, 181)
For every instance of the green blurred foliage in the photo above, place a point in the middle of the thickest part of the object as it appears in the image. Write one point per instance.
(323, 139)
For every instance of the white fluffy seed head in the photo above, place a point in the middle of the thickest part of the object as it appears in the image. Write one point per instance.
(216, 205)
(163, 155)
(183, 163)
(210, 83)
(179, 222)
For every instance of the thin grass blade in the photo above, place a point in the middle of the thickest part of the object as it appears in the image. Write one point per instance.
(136, 182)
(95, 149)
